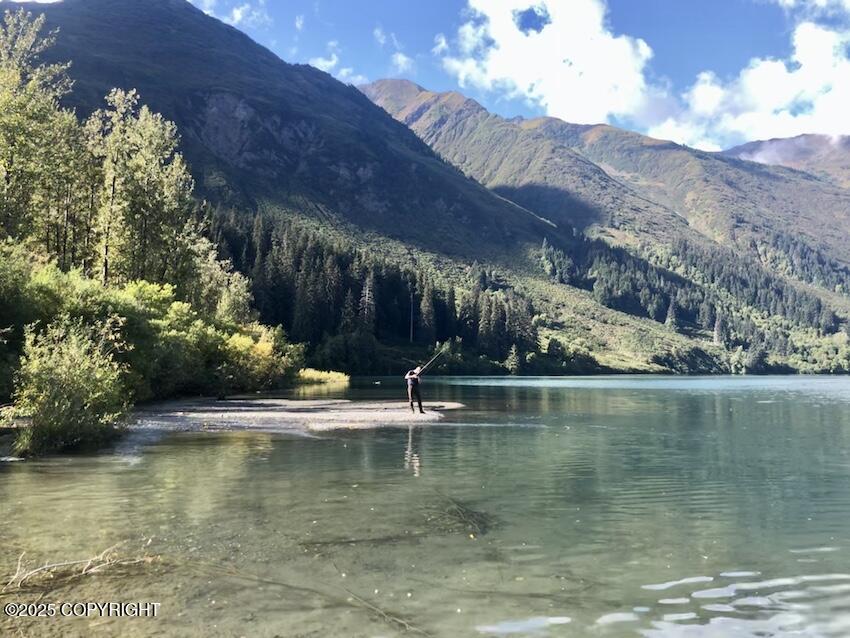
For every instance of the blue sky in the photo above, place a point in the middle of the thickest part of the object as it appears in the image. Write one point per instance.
(707, 73)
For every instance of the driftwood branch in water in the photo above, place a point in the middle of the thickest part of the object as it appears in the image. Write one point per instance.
(353, 599)
(473, 521)
(386, 616)
(54, 575)
(27, 577)
(370, 540)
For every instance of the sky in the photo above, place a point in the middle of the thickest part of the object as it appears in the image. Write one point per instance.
(707, 73)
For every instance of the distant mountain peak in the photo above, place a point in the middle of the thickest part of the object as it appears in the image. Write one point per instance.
(825, 156)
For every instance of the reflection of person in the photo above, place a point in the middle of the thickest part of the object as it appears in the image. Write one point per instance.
(412, 377)
(411, 458)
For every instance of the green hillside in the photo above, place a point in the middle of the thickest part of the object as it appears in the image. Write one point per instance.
(345, 219)
(638, 191)
(625, 180)
(821, 155)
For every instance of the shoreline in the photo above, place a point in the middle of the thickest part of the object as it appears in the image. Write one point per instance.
(292, 416)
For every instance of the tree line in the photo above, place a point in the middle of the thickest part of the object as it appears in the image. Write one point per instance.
(691, 288)
(110, 290)
(323, 291)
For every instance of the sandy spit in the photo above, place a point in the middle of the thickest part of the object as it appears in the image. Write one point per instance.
(285, 415)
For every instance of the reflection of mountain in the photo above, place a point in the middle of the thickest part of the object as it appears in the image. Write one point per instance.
(822, 155)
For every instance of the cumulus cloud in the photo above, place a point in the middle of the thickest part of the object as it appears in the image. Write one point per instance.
(401, 62)
(815, 6)
(299, 22)
(238, 14)
(441, 45)
(332, 63)
(807, 93)
(348, 76)
(561, 56)
(325, 64)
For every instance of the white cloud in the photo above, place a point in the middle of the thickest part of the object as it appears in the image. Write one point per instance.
(299, 22)
(333, 61)
(348, 76)
(401, 62)
(207, 6)
(563, 58)
(379, 35)
(807, 93)
(559, 55)
(238, 14)
(815, 6)
(325, 64)
(250, 15)
(441, 45)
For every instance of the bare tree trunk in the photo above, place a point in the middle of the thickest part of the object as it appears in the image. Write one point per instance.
(65, 219)
(106, 231)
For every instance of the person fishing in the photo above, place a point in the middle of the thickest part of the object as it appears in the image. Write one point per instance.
(412, 378)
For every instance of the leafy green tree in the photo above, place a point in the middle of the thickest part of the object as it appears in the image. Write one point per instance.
(29, 106)
(146, 196)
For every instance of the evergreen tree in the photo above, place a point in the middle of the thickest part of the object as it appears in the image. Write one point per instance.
(348, 323)
(367, 311)
(427, 322)
(449, 328)
(719, 331)
(672, 320)
(512, 362)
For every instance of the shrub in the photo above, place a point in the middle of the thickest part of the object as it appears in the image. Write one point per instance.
(259, 358)
(69, 387)
(311, 376)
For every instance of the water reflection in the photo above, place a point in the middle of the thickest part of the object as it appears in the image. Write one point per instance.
(412, 460)
(641, 507)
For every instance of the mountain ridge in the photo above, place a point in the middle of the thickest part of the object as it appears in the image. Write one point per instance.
(726, 199)
(264, 136)
(824, 156)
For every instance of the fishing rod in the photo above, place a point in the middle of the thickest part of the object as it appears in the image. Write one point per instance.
(433, 359)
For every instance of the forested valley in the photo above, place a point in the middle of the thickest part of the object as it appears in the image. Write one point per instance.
(120, 279)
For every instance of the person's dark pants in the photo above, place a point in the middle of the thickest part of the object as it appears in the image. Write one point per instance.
(413, 393)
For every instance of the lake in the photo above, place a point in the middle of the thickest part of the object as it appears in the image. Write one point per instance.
(604, 506)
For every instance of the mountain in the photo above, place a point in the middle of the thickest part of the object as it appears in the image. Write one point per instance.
(821, 155)
(341, 213)
(260, 131)
(623, 180)
(512, 158)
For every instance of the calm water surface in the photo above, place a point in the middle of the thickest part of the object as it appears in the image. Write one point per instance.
(659, 507)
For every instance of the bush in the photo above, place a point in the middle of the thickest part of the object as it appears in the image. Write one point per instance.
(69, 386)
(307, 376)
(259, 358)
